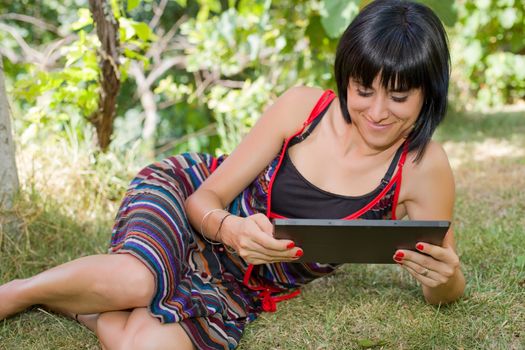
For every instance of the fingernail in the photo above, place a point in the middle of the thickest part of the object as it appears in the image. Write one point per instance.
(299, 254)
(290, 245)
(399, 255)
(420, 246)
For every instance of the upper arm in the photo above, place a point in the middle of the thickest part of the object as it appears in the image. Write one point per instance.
(281, 120)
(431, 189)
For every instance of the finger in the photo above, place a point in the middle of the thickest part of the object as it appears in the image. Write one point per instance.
(419, 262)
(445, 254)
(270, 243)
(262, 256)
(258, 241)
(263, 223)
(425, 272)
(425, 280)
(266, 226)
(418, 258)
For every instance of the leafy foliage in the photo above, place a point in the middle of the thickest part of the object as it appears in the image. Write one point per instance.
(490, 50)
(198, 73)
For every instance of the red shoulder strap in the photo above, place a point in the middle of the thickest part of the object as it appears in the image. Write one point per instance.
(269, 301)
(321, 104)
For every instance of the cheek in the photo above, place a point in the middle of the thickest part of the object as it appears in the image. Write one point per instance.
(357, 104)
(408, 112)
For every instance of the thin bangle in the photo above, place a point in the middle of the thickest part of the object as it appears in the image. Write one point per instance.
(205, 217)
(217, 234)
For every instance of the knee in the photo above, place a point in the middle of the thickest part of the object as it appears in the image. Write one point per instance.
(134, 282)
(142, 340)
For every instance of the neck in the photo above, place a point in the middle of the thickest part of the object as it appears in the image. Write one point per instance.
(354, 145)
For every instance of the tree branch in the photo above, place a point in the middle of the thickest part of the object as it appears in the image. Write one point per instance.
(159, 47)
(31, 20)
(158, 11)
(32, 55)
(208, 130)
(165, 65)
(10, 54)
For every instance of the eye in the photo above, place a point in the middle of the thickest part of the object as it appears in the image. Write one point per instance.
(399, 99)
(364, 93)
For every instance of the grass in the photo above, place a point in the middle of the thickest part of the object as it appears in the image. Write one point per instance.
(361, 306)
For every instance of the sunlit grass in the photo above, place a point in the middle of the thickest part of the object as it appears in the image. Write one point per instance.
(68, 203)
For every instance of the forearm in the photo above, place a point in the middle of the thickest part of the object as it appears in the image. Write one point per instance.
(205, 213)
(446, 293)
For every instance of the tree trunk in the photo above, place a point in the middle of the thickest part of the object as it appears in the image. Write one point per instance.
(108, 34)
(8, 173)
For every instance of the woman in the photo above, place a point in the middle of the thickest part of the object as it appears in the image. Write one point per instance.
(204, 272)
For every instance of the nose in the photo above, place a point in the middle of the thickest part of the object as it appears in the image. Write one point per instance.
(378, 109)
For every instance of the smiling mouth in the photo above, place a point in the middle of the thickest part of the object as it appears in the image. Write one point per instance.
(375, 125)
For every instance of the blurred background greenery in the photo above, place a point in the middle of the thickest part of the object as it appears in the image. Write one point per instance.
(196, 74)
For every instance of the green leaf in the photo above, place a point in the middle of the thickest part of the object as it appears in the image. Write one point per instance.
(132, 4)
(336, 15)
(444, 9)
(369, 343)
(84, 19)
(142, 30)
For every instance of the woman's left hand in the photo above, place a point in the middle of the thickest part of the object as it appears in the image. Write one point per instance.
(433, 268)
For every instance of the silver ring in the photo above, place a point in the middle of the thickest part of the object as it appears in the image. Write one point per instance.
(424, 272)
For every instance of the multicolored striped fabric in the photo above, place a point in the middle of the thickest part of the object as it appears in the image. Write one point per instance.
(197, 283)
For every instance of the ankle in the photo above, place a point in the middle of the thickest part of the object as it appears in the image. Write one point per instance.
(20, 288)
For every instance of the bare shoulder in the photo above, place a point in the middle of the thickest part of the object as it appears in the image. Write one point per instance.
(428, 188)
(434, 159)
(294, 106)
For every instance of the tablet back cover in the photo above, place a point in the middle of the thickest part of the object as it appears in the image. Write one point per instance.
(357, 241)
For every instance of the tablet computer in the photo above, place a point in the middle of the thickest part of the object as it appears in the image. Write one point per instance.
(357, 241)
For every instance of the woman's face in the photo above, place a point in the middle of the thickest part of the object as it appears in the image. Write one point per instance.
(382, 117)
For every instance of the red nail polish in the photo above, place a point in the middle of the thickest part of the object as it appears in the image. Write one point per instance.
(299, 253)
(399, 255)
(398, 259)
(420, 246)
(290, 245)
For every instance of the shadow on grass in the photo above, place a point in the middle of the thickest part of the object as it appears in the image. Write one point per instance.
(479, 126)
(44, 237)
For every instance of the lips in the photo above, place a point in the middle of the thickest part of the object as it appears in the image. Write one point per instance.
(376, 126)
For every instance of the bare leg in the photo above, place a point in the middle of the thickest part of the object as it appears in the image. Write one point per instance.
(87, 285)
(90, 321)
(139, 330)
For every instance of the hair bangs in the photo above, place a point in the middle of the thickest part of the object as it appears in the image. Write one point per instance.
(400, 68)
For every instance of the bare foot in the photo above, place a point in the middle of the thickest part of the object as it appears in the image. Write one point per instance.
(9, 295)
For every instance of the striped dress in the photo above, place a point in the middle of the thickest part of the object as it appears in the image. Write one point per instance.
(209, 291)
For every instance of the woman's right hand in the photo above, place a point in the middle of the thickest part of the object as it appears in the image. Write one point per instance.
(252, 239)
